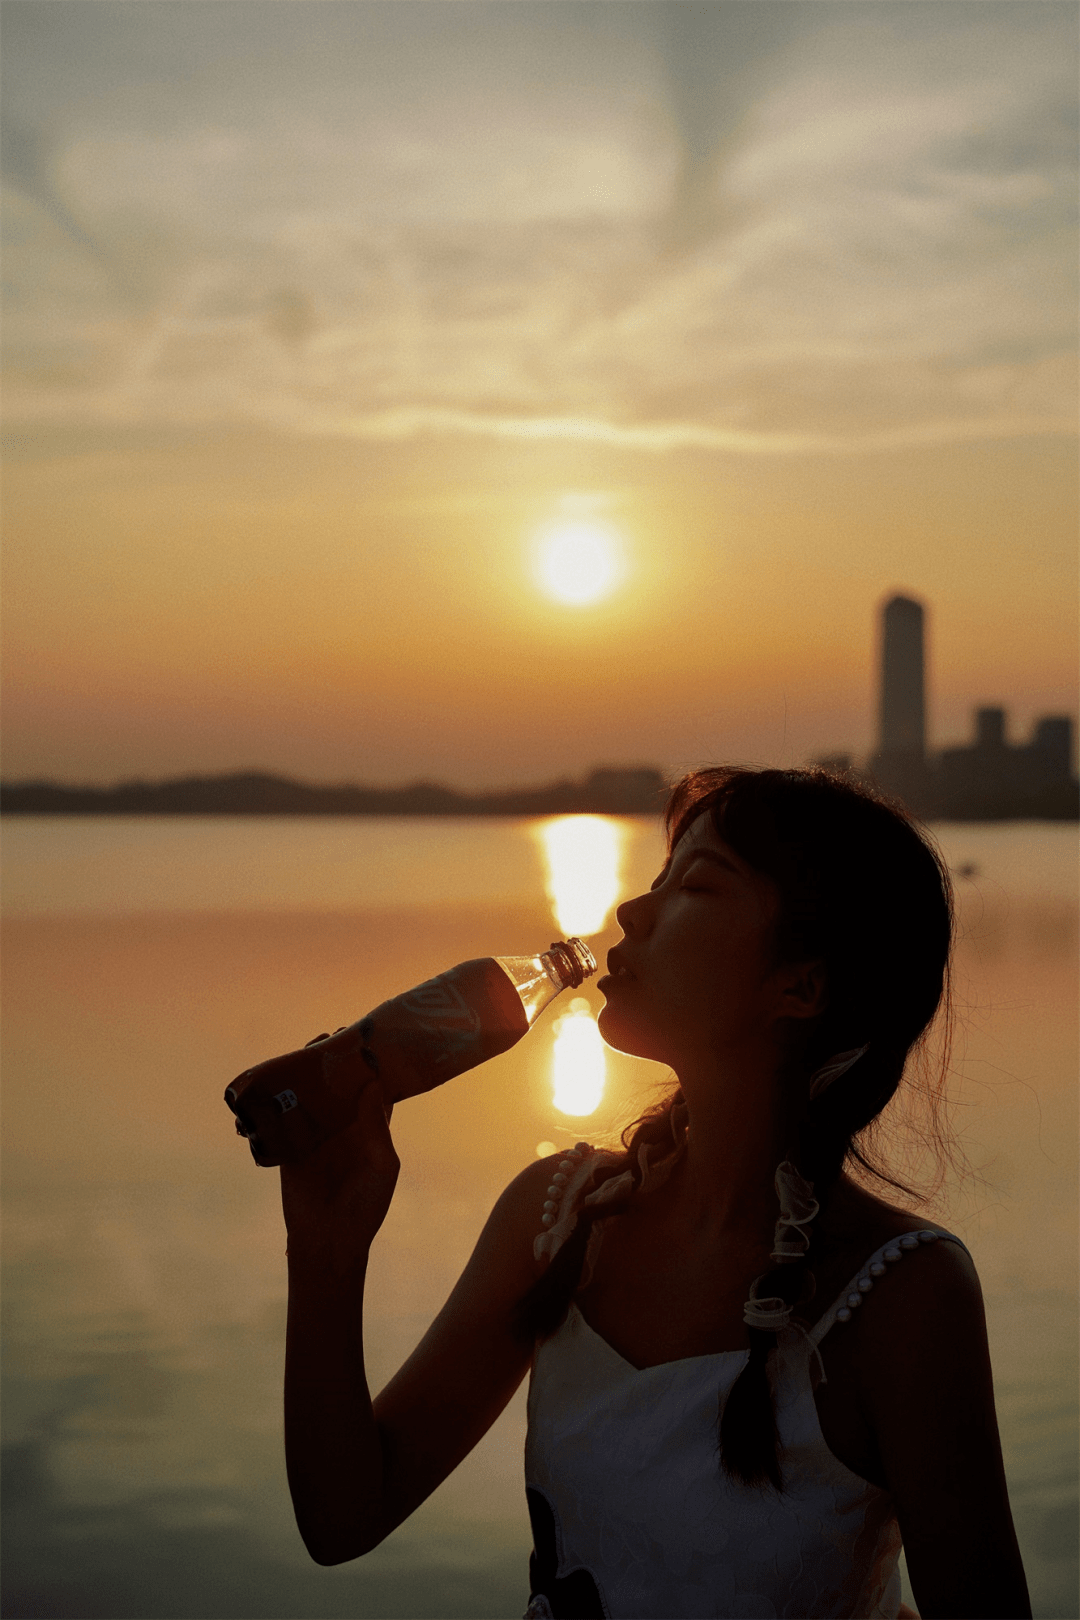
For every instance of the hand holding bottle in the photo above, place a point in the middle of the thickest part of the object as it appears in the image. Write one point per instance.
(335, 1198)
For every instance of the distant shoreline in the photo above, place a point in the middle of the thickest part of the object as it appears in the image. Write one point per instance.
(634, 791)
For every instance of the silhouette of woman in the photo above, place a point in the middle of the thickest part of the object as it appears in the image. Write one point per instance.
(751, 1375)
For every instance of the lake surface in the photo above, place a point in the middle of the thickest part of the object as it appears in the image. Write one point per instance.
(148, 961)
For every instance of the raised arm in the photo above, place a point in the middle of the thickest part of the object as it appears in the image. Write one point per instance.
(357, 1468)
(929, 1392)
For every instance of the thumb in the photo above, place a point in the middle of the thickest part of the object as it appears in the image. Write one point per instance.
(347, 1073)
(369, 1133)
(373, 1108)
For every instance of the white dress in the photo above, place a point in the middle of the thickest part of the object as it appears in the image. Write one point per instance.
(633, 1517)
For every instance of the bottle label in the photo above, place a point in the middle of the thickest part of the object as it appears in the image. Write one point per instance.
(285, 1100)
(441, 1012)
(443, 1027)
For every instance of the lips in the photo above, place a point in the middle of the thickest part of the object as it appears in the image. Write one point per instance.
(617, 967)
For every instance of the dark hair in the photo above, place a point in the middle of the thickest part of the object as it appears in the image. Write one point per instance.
(864, 891)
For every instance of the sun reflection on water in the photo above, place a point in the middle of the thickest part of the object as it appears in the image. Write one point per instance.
(583, 857)
(579, 1061)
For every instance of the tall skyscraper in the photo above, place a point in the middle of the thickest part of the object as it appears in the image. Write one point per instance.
(903, 695)
(900, 762)
(989, 778)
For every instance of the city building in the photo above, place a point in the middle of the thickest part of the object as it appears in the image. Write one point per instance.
(989, 778)
(993, 777)
(900, 762)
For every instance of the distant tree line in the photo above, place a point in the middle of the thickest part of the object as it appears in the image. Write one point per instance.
(628, 791)
(637, 790)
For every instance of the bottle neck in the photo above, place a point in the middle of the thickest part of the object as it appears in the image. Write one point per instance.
(572, 960)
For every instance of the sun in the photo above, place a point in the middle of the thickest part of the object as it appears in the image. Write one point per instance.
(579, 562)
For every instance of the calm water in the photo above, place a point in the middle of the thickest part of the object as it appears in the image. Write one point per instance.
(147, 962)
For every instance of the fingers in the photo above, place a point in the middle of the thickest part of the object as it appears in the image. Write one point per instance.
(361, 1152)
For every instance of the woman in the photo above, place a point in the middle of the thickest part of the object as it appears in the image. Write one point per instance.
(751, 1376)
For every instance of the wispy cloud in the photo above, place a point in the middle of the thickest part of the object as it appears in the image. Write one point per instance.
(548, 222)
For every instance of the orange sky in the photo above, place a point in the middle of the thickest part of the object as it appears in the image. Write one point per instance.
(299, 368)
(190, 608)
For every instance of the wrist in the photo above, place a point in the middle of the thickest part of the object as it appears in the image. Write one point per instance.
(318, 1256)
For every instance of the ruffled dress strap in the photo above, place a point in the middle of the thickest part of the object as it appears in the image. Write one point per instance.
(569, 1190)
(572, 1175)
(871, 1271)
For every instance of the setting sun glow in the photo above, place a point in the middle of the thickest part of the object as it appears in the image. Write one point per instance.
(579, 563)
(579, 1063)
(583, 856)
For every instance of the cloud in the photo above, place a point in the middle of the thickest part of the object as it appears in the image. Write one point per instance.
(850, 235)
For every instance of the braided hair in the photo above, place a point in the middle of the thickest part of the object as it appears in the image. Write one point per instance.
(862, 890)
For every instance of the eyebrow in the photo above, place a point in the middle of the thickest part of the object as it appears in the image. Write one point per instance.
(714, 855)
(702, 854)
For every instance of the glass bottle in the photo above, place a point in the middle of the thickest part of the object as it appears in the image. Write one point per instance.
(410, 1044)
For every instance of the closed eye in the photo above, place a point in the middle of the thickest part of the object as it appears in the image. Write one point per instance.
(704, 874)
(696, 882)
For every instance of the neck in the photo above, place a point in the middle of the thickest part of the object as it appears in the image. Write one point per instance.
(742, 1121)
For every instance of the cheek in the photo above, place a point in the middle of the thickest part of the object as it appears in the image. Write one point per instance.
(672, 1008)
(700, 984)
(716, 978)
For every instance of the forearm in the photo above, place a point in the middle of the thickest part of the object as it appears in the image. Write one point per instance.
(333, 1448)
(969, 1576)
(355, 1477)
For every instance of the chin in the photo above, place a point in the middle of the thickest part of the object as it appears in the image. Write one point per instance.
(621, 1035)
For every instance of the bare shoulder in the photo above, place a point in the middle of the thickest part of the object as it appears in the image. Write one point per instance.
(517, 1219)
(526, 1194)
(930, 1296)
(925, 1281)
(921, 1319)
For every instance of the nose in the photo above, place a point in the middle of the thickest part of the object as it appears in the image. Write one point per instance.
(633, 916)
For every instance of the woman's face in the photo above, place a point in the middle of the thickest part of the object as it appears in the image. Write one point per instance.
(695, 974)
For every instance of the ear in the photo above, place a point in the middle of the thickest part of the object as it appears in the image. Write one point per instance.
(801, 990)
